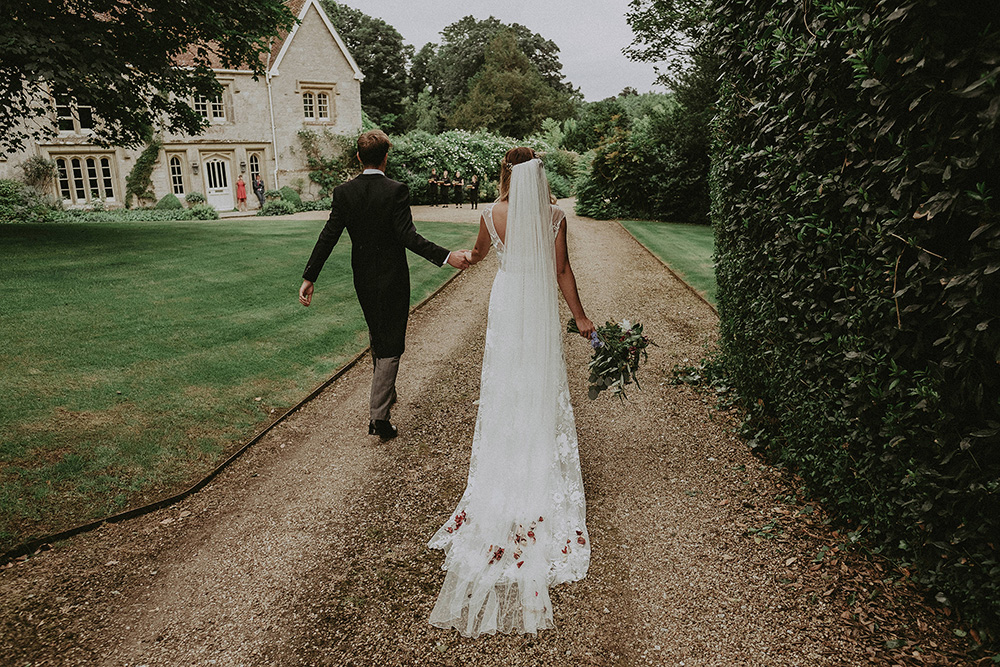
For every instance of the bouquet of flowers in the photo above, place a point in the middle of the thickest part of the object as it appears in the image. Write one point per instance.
(618, 349)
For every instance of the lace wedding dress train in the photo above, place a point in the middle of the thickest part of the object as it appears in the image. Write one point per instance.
(520, 526)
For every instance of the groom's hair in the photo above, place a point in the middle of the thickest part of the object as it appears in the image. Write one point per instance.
(372, 147)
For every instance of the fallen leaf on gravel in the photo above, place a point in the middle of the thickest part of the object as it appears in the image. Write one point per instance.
(111, 562)
(790, 561)
(167, 520)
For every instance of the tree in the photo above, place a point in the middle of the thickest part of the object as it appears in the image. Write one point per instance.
(667, 30)
(462, 54)
(508, 95)
(118, 59)
(594, 122)
(423, 114)
(423, 70)
(380, 52)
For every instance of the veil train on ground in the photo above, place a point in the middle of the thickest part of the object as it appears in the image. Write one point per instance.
(520, 526)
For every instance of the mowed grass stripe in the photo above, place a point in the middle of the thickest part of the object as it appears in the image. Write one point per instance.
(687, 249)
(132, 355)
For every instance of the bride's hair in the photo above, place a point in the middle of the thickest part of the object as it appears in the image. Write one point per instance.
(515, 156)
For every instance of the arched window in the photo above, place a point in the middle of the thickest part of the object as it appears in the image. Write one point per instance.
(254, 166)
(323, 106)
(176, 175)
(308, 105)
(64, 190)
(83, 179)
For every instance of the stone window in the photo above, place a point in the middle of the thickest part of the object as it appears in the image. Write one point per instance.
(84, 179)
(211, 108)
(254, 166)
(73, 116)
(216, 109)
(177, 175)
(317, 101)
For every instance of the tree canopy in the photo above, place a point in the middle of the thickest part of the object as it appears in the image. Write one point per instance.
(119, 58)
(380, 52)
(462, 54)
(509, 95)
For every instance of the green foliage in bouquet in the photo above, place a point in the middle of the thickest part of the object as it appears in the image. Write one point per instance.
(619, 348)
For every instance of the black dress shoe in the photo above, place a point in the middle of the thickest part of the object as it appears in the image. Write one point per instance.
(383, 429)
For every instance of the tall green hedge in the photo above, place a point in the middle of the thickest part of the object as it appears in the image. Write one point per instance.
(855, 188)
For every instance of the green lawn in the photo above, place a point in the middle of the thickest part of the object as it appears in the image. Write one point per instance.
(134, 355)
(687, 249)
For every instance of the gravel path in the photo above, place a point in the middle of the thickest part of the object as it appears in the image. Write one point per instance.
(310, 549)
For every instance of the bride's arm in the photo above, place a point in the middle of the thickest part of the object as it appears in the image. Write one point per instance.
(483, 243)
(567, 284)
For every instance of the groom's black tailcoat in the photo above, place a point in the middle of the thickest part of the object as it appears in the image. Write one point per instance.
(375, 210)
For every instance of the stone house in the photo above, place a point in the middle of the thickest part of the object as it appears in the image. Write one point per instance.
(311, 82)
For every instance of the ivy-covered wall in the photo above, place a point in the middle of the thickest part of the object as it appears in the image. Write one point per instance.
(856, 181)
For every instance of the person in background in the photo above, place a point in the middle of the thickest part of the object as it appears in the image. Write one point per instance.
(445, 189)
(241, 194)
(474, 191)
(458, 188)
(432, 188)
(258, 189)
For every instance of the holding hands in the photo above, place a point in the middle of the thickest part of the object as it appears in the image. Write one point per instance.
(460, 259)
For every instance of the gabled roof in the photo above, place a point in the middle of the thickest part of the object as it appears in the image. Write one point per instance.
(279, 46)
(287, 40)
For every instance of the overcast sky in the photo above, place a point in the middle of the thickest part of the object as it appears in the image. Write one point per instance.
(590, 34)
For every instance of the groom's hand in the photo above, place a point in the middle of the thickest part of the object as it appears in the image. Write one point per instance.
(306, 293)
(459, 259)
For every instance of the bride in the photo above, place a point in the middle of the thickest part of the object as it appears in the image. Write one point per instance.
(520, 527)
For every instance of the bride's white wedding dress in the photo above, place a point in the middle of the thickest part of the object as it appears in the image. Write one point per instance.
(520, 527)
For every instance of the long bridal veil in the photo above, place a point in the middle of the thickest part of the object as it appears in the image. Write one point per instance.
(520, 526)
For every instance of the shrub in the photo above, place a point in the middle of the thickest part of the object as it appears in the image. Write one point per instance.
(653, 166)
(277, 207)
(316, 205)
(291, 196)
(560, 185)
(855, 181)
(414, 154)
(272, 195)
(193, 198)
(203, 212)
(20, 203)
(197, 212)
(168, 202)
(38, 172)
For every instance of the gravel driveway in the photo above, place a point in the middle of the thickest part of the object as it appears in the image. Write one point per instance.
(310, 550)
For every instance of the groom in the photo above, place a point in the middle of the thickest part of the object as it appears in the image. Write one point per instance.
(376, 213)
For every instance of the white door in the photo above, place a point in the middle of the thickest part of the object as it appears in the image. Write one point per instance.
(219, 190)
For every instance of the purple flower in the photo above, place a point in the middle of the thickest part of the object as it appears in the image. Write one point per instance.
(595, 341)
